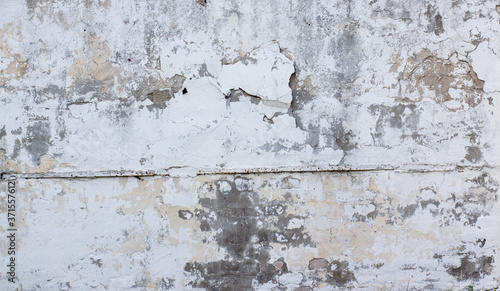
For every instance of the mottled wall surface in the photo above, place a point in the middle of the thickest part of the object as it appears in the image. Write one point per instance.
(239, 145)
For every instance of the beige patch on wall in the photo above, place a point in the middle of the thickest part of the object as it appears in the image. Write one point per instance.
(451, 82)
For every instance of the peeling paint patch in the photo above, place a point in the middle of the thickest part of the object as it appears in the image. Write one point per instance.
(486, 63)
(450, 82)
(472, 267)
(265, 73)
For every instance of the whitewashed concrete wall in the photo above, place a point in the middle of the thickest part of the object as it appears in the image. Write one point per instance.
(238, 145)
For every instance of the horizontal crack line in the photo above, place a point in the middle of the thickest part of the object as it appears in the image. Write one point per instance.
(191, 172)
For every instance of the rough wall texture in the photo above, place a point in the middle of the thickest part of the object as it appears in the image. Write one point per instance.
(238, 145)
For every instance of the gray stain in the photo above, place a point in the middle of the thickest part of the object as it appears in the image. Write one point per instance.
(245, 224)
(472, 267)
(2, 132)
(339, 274)
(346, 49)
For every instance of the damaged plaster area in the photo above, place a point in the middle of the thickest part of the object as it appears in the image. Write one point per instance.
(310, 231)
(264, 73)
(233, 85)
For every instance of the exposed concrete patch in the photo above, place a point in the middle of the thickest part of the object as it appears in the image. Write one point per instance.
(318, 263)
(159, 96)
(163, 89)
(450, 82)
(435, 20)
(473, 154)
(472, 268)
(37, 139)
(246, 226)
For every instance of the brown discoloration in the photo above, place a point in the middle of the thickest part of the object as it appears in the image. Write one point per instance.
(427, 76)
(281, 266)
(473, 154)
(472, 267)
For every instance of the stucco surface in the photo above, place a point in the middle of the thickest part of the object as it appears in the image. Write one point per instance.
(371, 230)
(254, 144)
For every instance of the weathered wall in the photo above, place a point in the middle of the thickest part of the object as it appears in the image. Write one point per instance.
(369, 230)
(250, 144)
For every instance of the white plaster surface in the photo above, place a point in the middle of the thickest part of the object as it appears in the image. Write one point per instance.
(358, 134)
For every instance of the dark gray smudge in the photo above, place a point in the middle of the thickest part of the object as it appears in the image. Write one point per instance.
(464, 208)
(338, 136)
(2, 132)
(17, 131)
(166, 283)
(395, 117)
(435, 20)
(338, 273)
(37, 139)
(246, 224)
